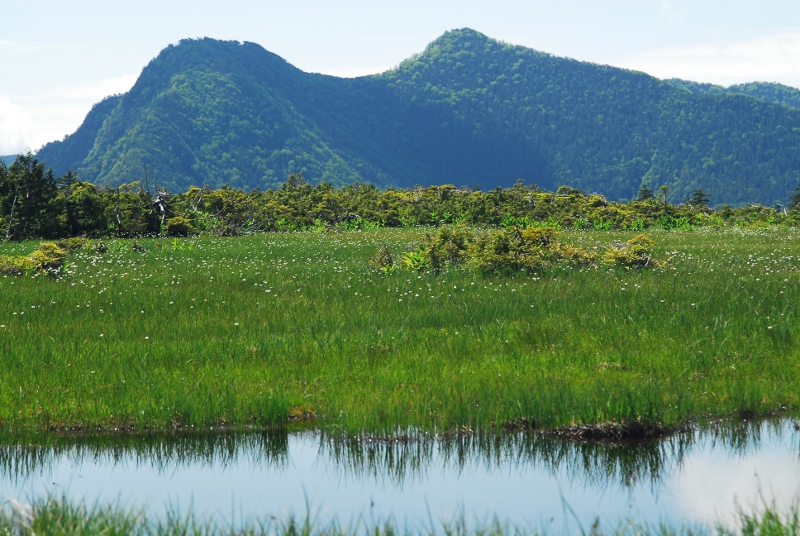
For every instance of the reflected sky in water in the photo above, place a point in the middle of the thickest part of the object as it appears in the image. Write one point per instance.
(527, 479)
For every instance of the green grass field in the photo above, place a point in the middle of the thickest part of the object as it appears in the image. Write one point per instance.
(257, 330)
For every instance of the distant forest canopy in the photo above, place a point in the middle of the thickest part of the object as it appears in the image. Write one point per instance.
(469, 110)
(34, 203)
(766, 91)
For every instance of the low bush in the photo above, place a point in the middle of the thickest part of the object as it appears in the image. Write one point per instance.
(10, 265)
(447, 247)
(48, 257)
(382, 260)
(512, 250)
(532, 250)
(71, 245)
(635, 253)
(179, 226)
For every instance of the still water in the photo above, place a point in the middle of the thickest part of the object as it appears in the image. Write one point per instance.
(530, 480)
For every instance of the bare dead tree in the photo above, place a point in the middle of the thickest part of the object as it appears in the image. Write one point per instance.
(116, 214)
(161, 204)
(11, 217)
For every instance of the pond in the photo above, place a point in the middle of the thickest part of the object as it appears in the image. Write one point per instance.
(531, 480)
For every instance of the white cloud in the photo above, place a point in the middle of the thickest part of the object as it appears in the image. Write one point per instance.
(33, 120)
(14, 123)
(98, 91)
(774, 58)
(711, 487)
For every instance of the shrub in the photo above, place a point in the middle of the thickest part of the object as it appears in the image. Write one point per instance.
(179, 226)
(382, 260)
(71, 245)
(15, 265)
(513, 250)
(532, 250)
(447, 247)
(416, 260)
(635, 253)
(49, 256)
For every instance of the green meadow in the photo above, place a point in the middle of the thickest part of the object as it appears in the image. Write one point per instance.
(270, 329)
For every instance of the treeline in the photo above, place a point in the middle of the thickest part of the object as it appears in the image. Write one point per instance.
(34, 203)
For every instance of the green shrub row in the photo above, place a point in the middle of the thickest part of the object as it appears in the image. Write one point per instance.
(35, 204)
(511, 250)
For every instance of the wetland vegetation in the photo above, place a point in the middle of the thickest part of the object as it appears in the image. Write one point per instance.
(59, 516)
(265, 329)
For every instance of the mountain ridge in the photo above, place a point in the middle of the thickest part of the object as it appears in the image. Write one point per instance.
(770, 92)
(467, 110)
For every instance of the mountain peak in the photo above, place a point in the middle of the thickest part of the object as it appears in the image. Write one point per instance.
(468, 110)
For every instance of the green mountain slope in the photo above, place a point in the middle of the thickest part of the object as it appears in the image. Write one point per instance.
(70, 152)
(469, 110)
(766, 91)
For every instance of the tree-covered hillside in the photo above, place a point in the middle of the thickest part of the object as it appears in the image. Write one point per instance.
(766, 91)
(469, 110)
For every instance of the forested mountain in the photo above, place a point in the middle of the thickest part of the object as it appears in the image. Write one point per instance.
(469, 110)
(7, 160)
(766, 91)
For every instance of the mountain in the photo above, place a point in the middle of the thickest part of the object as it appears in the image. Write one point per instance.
(766, 91)
(71, 152)
(7, 160)
(469, 110)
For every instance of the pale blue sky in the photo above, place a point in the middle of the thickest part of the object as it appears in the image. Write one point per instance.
(59, 57)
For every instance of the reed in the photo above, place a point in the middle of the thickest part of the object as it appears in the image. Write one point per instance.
(60, 516)
(267, 329)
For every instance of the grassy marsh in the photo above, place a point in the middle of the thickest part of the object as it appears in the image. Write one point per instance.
(260, 329)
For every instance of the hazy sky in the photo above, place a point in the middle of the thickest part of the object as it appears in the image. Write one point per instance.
(59, 57)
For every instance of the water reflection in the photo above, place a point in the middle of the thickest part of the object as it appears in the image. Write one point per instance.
(585, 463)
(395, 460)
(165, 453)
(520, 476)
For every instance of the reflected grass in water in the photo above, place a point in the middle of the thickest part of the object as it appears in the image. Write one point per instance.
(586, 463)
(392, 460)
(161, 452)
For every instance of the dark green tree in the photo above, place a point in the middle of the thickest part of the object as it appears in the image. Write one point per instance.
(794, 203)
(30, 202)
(86, 211)
(645, 193)
(699, 198)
